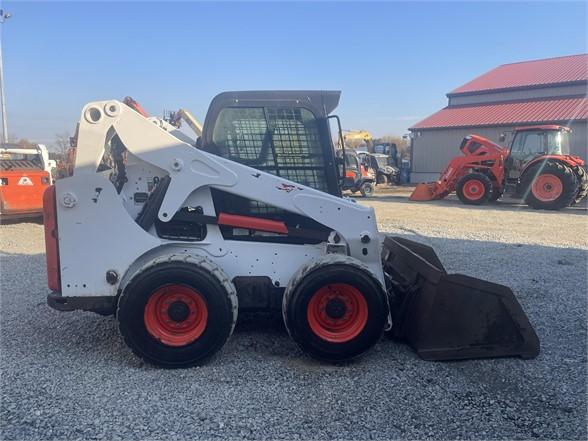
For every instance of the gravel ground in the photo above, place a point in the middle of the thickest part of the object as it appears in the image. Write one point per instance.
(69, 375)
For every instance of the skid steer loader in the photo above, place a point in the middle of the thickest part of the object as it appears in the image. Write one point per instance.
(175, 236)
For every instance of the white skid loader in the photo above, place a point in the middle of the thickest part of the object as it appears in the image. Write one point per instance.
(175, 236)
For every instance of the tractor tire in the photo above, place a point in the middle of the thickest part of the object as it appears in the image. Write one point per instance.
(334, 309)
(582, 178)
(551, 185)
(178, 311)
(474, 189)
(367, 189)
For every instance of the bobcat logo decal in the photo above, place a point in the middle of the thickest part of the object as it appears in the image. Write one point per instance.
(25, 180)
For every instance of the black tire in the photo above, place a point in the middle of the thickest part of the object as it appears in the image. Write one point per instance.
(297, 307)
(468, 183)
(195, 273)
(367, 189)
(381, 179)
(539, 199)
(582, 178)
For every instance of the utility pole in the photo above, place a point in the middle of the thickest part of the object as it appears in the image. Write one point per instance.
(3, 17)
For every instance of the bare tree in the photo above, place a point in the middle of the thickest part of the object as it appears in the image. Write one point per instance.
(25, 143)
(62, 144)
(355, 143)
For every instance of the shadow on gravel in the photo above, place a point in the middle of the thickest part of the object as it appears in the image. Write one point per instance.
(26, 220)
(507, 204)
(74, 368)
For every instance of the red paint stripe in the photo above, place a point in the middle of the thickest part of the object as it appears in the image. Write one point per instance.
(252, 223)
(51, 245)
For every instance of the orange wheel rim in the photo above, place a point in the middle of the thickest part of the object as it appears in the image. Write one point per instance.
(474, 189)
(176, 315)
(547, 187)
(337, 312)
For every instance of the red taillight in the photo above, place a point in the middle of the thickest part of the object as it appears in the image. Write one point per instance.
(51, 243)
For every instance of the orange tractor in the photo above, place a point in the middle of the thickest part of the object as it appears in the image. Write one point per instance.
(537, 167)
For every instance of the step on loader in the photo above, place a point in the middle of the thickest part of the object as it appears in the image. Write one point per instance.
(176, 235)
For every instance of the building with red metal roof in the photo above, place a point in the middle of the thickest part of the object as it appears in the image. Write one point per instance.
(549, 91)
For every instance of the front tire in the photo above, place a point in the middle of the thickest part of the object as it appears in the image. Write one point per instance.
(367, 189)
(474, 189)
(178, 313)
(550, 185)
(335, 310)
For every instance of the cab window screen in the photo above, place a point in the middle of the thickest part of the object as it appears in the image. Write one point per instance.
(298, 153)
(241, 134)
(283, 141)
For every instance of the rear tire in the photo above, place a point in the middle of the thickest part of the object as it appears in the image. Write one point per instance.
(582, 179)
(177, 313)
(381, 179)
(335, 310)
(367, 189)
(474, 189)
(551, 185)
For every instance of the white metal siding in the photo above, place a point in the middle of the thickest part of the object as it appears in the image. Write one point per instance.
(544, 92)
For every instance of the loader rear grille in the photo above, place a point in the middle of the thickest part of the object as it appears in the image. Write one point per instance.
(22, 164)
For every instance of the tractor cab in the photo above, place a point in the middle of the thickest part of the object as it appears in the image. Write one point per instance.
(530, 143)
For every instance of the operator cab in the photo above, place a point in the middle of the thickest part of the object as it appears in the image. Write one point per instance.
(285, 133)
(532, 142)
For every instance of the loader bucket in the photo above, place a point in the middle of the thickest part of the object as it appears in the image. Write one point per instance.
(451, 316)
(424, 192)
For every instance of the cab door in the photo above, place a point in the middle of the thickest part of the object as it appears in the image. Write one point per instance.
(525, 147)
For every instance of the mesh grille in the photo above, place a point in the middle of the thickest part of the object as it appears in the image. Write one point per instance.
(11, 164)
(283, 141)
(247, 137)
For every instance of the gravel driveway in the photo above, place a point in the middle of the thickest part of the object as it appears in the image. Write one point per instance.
(69, 375)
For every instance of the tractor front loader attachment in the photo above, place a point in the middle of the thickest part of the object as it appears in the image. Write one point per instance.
(427, 191)
(451, 316)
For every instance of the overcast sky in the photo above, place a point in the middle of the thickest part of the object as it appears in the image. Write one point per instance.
(393, 61)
